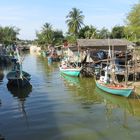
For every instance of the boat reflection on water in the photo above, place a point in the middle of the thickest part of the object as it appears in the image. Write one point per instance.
(1, 75)
(21, 94)
(113, 102)
(131, 104)
(135, 103)
(1, 80)
(71, 81)
(82, 90)
(117, 101)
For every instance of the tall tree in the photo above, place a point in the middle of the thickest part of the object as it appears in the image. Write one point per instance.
(49, 36)
(47, 26)
(45, 36)
(74, 21)
(133, 21)
(48, 33)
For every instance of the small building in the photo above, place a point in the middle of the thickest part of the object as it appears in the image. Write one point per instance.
(93, 46)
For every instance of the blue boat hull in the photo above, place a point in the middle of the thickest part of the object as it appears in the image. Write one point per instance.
(120, 91)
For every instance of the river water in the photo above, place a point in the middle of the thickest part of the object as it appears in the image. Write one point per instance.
(59, 107)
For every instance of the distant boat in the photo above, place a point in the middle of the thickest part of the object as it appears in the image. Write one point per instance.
(52, 55)
(68, 69)
(17, 77)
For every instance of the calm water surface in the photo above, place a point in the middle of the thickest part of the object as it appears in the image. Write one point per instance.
(59, 107)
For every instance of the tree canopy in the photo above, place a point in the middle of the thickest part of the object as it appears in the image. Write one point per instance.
(74, 21)
(118, 32)
(49, 36)
(133, 22)
(8, 35)
(89, 32)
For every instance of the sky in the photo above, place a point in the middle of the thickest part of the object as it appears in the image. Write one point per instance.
(30, 15)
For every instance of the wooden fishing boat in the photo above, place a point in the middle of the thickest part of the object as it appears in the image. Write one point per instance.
(109, 82)
(115, 101)
(17, 77)
(70, 71)
(117, 89)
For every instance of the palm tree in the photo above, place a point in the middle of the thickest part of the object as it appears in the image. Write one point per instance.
(48, 36)
(74, 21)
(47, 26)
(47, 33)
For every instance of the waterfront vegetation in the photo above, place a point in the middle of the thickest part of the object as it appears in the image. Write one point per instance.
(8, 34)
(77, 29)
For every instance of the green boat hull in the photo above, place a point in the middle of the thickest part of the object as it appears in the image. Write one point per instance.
(120, 91)
(71, 72)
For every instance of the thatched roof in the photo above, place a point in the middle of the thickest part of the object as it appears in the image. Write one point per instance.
(118, 44)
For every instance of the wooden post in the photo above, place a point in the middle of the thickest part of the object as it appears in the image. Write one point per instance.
(126, 69)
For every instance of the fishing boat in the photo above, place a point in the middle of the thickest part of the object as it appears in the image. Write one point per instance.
(109, 82)
(69, 69)
(117, 89)
(17, 77)
(116, 101)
